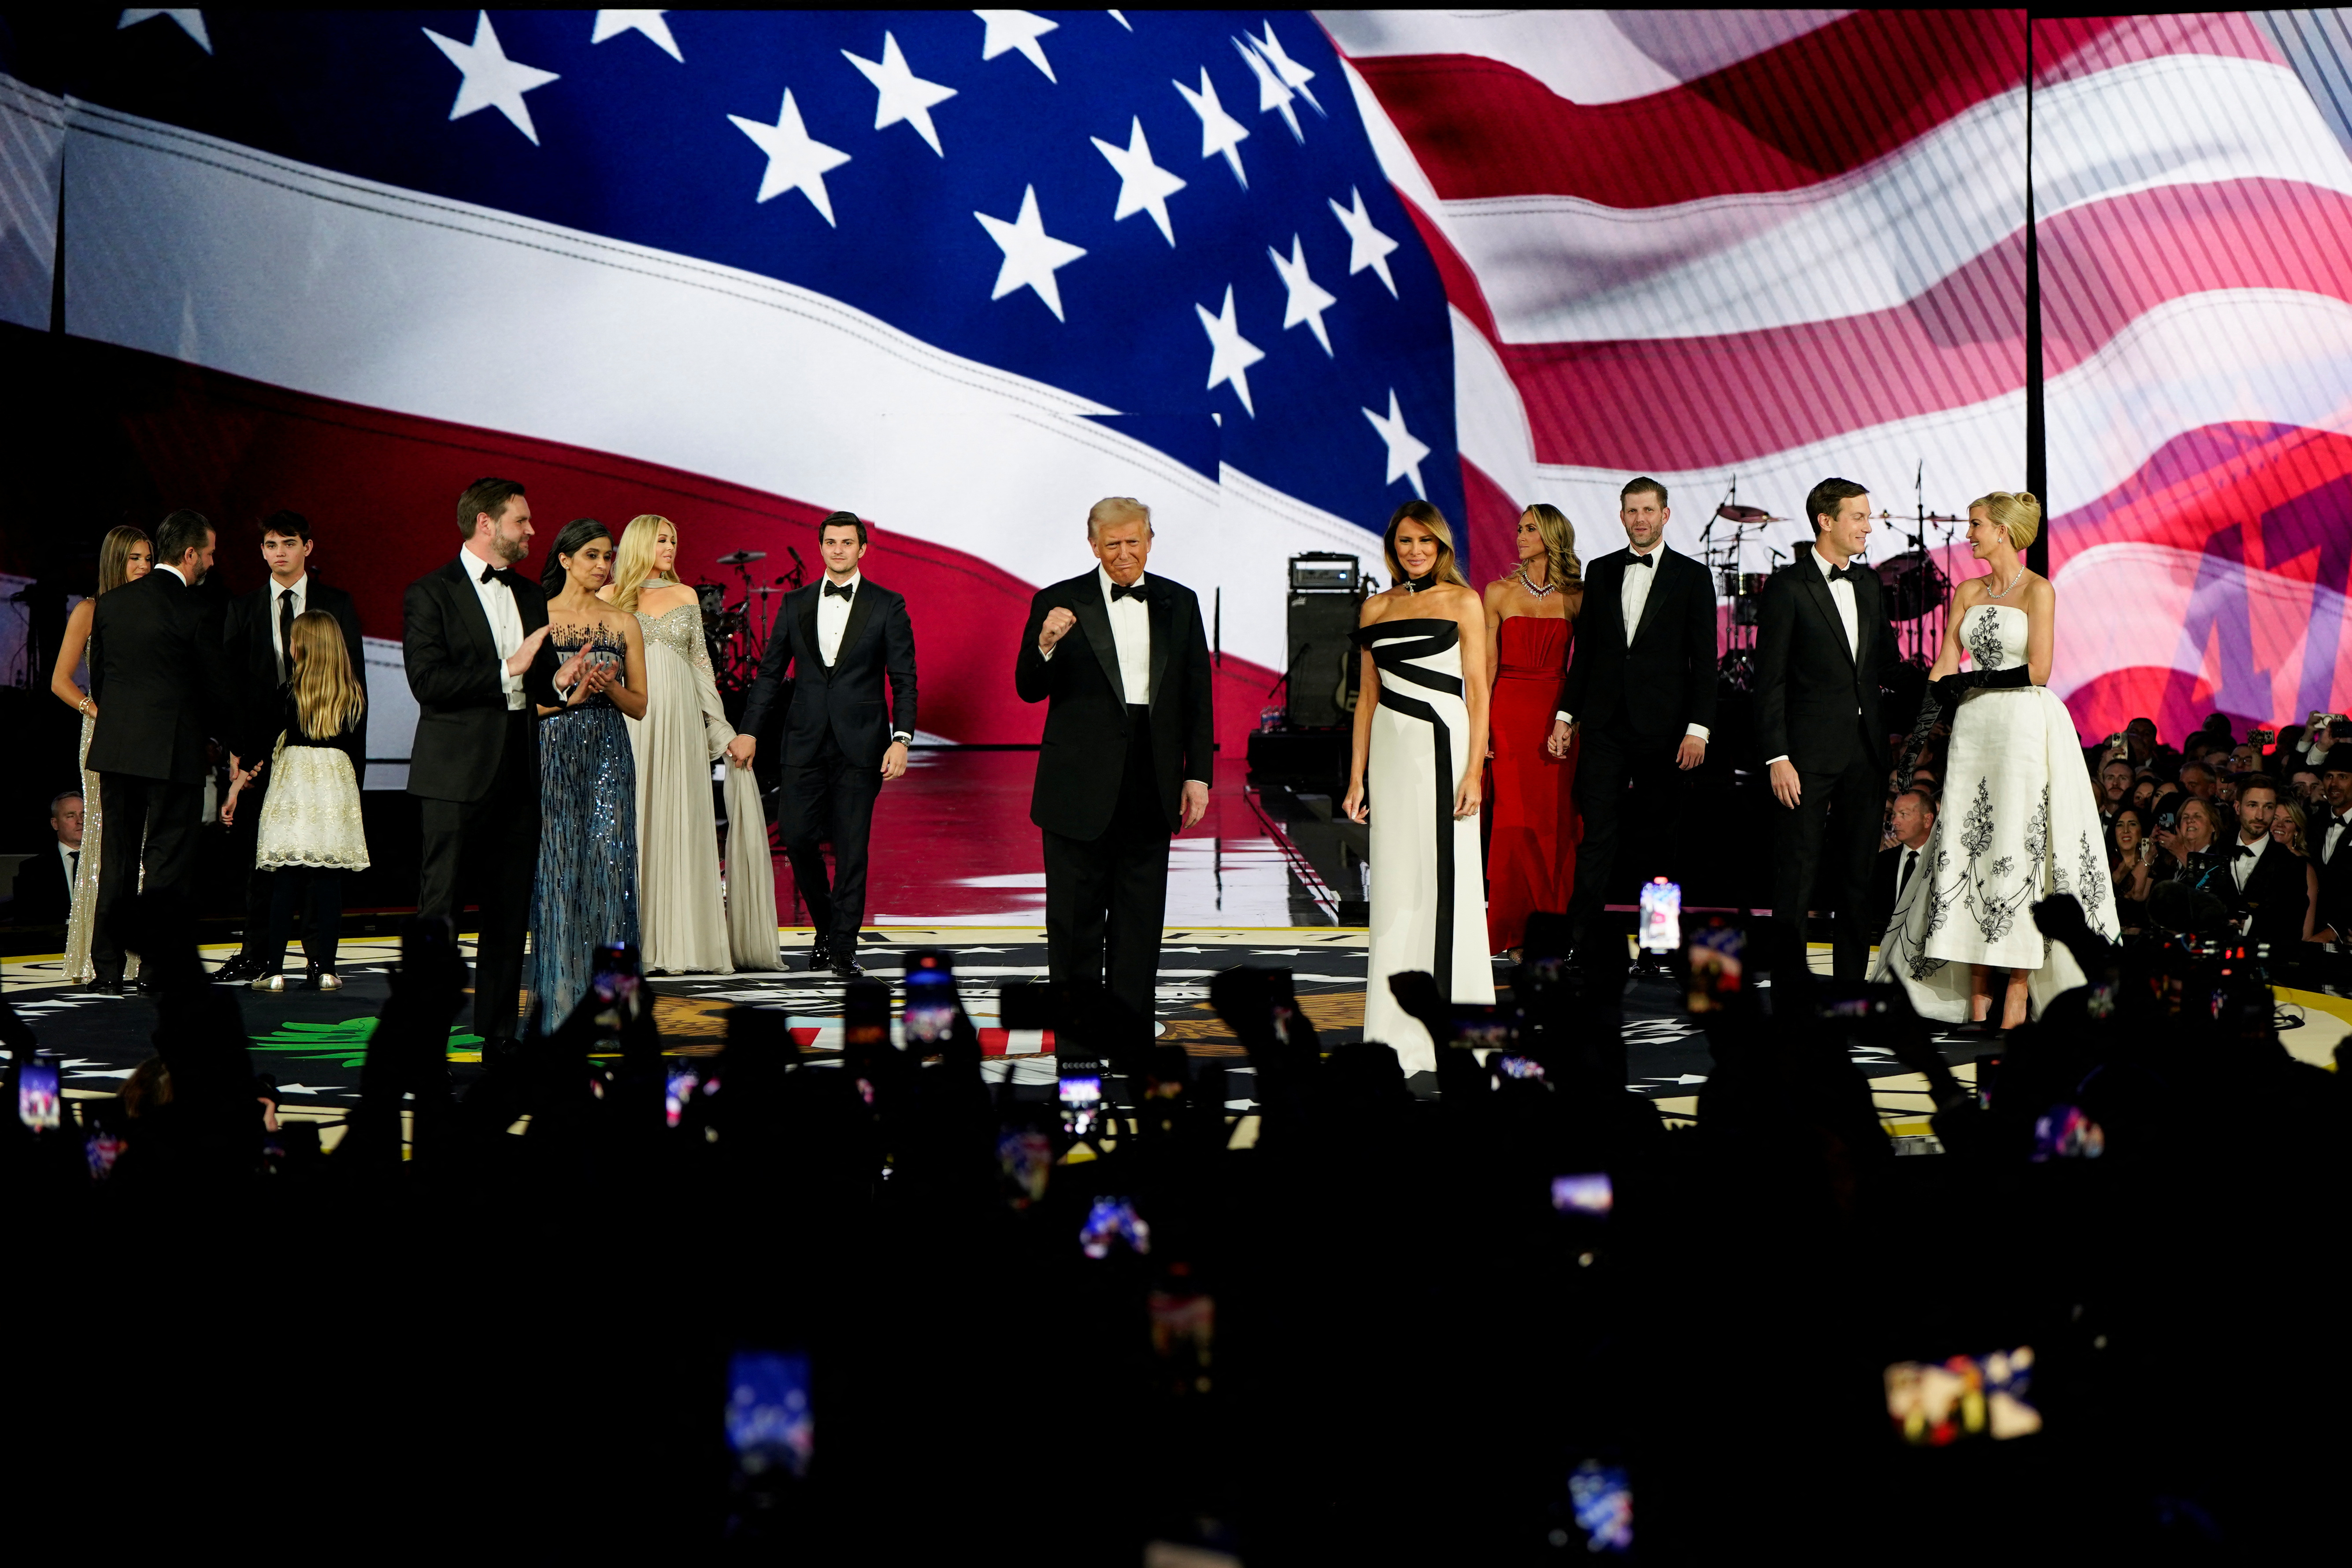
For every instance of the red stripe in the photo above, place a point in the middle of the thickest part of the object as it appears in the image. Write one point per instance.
(1463, 289)
(2067, 48)
(1813, 108)
(1490, 524)
(1707, 401)
(380, 490)
(2277, 499)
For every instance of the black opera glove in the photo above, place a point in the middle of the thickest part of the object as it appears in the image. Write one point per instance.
(1952, 688)
(1931, 713)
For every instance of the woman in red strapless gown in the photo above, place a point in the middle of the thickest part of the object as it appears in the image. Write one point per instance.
(1530, 618)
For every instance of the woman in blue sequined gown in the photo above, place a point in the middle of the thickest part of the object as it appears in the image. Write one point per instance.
(586, 891)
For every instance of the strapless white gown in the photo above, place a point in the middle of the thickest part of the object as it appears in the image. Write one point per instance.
(2018, 822)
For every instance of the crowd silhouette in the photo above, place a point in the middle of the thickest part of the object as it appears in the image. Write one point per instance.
(870, 1306)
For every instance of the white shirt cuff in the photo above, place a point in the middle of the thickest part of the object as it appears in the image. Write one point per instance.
(1561, 717)
(902, 737)
(1698, 730)
(1048, 653)
(1782, 758)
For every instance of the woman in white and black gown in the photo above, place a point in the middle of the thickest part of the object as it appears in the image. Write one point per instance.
(2018, 821)
(1419, 749)
(125, 555)
(691, 922)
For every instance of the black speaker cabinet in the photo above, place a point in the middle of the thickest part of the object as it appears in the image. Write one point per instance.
(1323, 663)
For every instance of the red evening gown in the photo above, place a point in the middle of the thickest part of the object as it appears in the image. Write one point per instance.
(1531, 853)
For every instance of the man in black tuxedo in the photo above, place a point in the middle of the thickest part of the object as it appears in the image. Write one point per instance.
(44, 894)
(1642, 685)
(844, 636)
(473, 638)
(259, 623)
(159, 677)
(2272, 888)
(1823, 651)
(1890, 877)
(1129, 750)
(2331, 847)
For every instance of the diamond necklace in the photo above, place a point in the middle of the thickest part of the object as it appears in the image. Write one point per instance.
(1531, 588)
(2005, 593)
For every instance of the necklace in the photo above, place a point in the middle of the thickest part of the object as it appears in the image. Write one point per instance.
(2005, 593)
(1531, 588)
(1412, 584)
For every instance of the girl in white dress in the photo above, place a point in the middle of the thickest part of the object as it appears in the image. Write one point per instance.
(690, 922)
(1419, 749)
(2019, 820)
(310, 830)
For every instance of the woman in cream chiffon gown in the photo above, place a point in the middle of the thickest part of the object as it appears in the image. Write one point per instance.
(692, 922)
(123, 555)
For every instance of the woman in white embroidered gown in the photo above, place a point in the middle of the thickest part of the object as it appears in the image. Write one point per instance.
(2019, 820)
(689, 922)
(1420, 749)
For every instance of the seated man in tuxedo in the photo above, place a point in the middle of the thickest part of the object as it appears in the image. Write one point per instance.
(1915, 819)
(844, 636)
(45, 883)
(258, 625)
(2273, 886)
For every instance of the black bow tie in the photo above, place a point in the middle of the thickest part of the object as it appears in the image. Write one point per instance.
(1837, 574)
(1129, 591)
(2241, 852)
(1640, 559)
(501, 574)
(839, 590)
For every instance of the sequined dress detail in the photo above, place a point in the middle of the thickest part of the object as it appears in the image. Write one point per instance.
(586, 891)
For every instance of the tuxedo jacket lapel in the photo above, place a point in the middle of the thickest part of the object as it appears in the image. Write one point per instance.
(1162, 614)
(1818, 590)
(471, 613)
(1657, 568)
(861, 606)
(1094, 619)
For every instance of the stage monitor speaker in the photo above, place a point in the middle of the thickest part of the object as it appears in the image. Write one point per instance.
(1323, 667)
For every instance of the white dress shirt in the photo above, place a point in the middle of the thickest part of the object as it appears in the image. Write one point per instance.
(833, 616)
(1131, 634)
(66, 857)
(1633, 597)
(2329, 837)
(506, 619)
(175, 572)
(1841, 595)
(2242, 867)
(301, 591)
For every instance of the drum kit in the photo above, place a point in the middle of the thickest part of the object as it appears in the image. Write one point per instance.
(736, 635)
(1918, 591)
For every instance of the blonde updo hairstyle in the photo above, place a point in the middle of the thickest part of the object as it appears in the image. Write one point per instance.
(1448, 568)
(2018, 515)
(632, 564)
(1560, 541)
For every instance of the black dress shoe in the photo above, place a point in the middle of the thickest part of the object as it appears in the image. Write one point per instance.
(819, 958)
(244, 966)
(107, 986)
(845, 968)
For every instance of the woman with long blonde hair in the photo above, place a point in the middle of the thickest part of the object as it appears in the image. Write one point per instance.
(1530, 619)
(692, 921)
(310, 832)
(2020, 820)
(1415, 775)
(124, 556)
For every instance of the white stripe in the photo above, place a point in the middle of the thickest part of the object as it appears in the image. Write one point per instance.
(1564, 269)
(2261, 356)
(2132, 604)
(1586, 56)
(1490, 420)
(200, 249)
(32, 152)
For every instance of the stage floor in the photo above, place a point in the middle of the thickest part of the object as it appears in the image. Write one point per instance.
(314, 1043)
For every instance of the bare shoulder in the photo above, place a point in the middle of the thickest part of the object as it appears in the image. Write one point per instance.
(662, 599)
(1498, 593)
(1459, 601)
(2040, 590)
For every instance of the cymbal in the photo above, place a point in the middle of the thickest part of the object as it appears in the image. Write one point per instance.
(742, 558)
(1731, 513)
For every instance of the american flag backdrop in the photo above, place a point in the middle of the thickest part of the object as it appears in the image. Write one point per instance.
(965, 272)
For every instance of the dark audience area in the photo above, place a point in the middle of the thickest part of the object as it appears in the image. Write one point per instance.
(868, 1307)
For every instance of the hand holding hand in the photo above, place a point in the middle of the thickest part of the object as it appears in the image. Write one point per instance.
(1691, 753)
(1785, 788)
(1059, 622)
(520, 661)
(894, 761)
(228, 806)
(1196, 802)
(1556, 744)
(740, 750)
